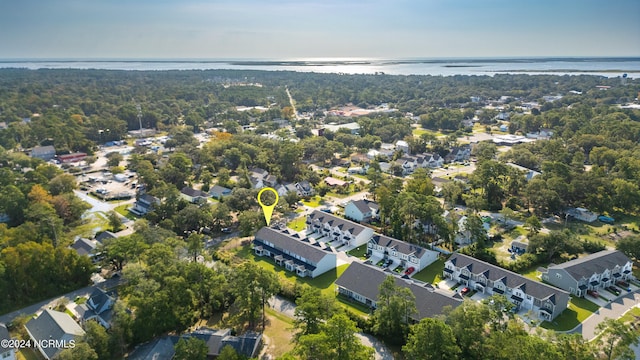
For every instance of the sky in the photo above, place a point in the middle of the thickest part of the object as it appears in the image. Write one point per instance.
(301, 29)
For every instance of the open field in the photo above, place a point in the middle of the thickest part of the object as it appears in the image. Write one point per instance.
(278, 334)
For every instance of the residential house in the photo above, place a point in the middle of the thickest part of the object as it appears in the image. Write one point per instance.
(144, 204)
(593, 272)
(284, 189)
(246, 344)
(407, 163)
(528, 173)
(53, 325)
(432, 160)
(294, 253)
(543, 300)
(464, 236)
(339, 230)
(400, 252)
(45, 153)
(260, 178)
(458, 154)
(158, 349)
(305, 189)
(361, 210)
(105, 235)
(6, 353)
(85, 247)
(193, 196)
(219, 192)
(98, 307)
(361, 282)
(333, 182)
(582, 214)
(360, 158)
(403, 146)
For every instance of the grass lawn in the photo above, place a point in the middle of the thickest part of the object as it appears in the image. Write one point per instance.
(278, 333)
(313, 202)
(123, 210)
(298, 224)
(579, 309)
(531, 273)
(358, 252)
(631, 315)
(324, 282)
(432, 273)
(356, 307)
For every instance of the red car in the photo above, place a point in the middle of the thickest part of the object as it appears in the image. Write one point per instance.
(465, 291)
(593, 293)
(409, 271)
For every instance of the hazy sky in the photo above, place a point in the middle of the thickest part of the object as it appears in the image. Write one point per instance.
(317, 28)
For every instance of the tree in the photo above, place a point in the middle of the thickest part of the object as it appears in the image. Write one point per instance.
(451, 191)
(468, 322)
(555, 243)
(574, 347)
(616, 339)
(63, 183)
(533, 224)
(191, 349)
(98, 339)
(114, 159)
(195, 245)
(630, 246)
(253, 287)
(396, 305)
(114, 221)
(250, 221)
(312, 309)
(81, 351)
(431, 339)
(229, 353)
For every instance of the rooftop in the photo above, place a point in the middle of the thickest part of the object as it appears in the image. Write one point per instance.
(334, 221)
(593, 264)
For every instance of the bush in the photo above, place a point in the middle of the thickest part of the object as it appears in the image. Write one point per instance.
(593, 246)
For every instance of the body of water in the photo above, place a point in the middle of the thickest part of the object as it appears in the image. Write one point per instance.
(609, 67)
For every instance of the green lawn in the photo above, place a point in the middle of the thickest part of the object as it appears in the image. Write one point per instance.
(432, 273)
(357, 307)
(123, 210)
(579, 309)
(631, 315)
(278, 331)
(313, 202)
(298, 224)
(358, 252)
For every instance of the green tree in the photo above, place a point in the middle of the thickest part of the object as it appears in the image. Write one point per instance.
(396, 306)
(431, 339)
(250, 221)
(312, 309)
(630, 246)
(114, 159)
(253, 287)
(616, 339)
(61, 184)
(82, 351)
(98, 339)
(468, 322)
(114, 221)
(191, 349)
(229, 353)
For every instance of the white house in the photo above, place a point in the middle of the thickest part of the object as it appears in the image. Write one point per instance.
(98, 307)
(6, 353)
(361, 210)
(400, 252)
(463, 237)
(343, 231)
(193, 196)
(582, 214)
(403, 146)
(543, 300)
(302, 256)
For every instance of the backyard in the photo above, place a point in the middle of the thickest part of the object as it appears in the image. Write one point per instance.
(298, 224)
(313, 201)
(359, 252)
(579, 310)
(432, 273)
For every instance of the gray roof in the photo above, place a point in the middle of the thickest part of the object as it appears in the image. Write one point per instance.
(193, 192)
(342, 224)
(105, 235)
(365, 280)
(283, 240)
(83, 246)
(42, 150)
(245, 344)
(219, 190)
(365, 205)
(509, 278)
(4, 333)
(53, 325)
(159, 349)
(400, 246)
(594, 263)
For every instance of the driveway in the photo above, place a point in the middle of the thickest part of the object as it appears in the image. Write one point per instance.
(613, 310)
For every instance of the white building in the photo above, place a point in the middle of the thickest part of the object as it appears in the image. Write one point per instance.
(400, 252)
(343, 231)
(6, 353)
(361, 210)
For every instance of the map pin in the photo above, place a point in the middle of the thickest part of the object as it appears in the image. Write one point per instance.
(268, 209)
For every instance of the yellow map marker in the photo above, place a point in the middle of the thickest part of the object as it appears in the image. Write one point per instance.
(268, 209)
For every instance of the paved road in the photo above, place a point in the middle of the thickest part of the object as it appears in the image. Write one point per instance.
(288, 308)
(613, 310)
(109, 284)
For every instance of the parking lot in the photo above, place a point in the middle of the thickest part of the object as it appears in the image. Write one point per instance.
(105, 186)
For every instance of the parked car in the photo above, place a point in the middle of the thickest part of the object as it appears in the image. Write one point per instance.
(593, 293)
(410, 270)
(624, 285)
(614, 290)
(465, 290)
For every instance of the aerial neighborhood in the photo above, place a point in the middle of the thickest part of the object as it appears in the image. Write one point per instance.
(470, 217)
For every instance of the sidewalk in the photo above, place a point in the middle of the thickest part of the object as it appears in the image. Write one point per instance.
(613, 310)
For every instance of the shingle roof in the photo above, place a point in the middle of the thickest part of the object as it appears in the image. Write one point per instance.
(219, 190)
(509, 278)
(362, 205)
(294, 245)
(400, 246)
(193, 192)
(365, 280)
(53, 325)
(4, 333)
(594, 263)
(84, 246)
(333, 221)
(42, 150)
